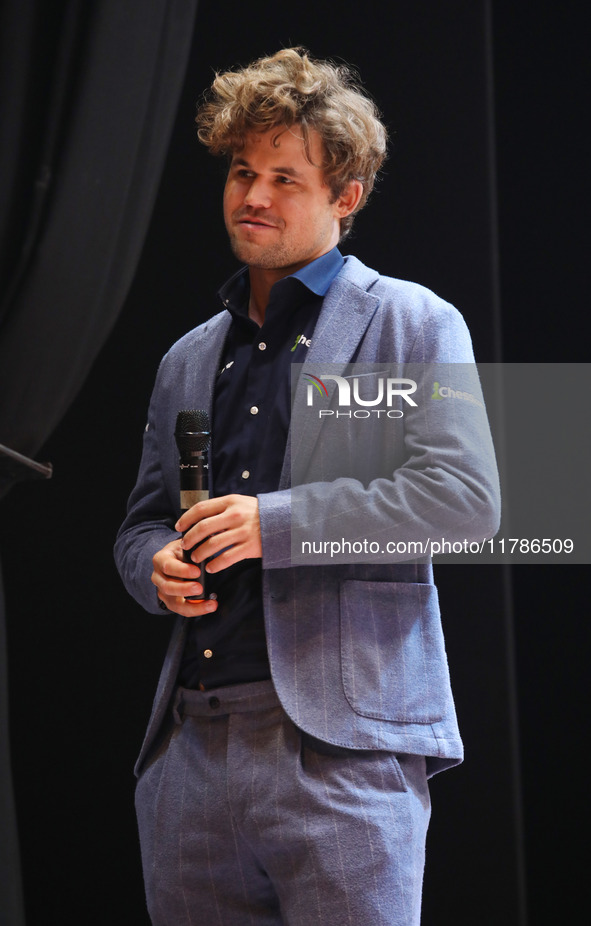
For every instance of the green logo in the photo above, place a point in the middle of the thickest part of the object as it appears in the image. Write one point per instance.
(446, 392)
(301, 339)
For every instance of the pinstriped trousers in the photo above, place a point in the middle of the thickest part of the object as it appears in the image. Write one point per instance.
(245, 819)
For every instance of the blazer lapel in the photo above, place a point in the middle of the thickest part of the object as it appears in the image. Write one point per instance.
(207, 368)
(346, 313)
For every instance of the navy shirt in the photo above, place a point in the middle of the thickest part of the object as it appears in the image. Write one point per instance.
(251, 415)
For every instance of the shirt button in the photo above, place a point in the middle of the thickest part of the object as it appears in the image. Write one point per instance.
(245, 474)
(207, 653)
(262, 345)
(254, 410)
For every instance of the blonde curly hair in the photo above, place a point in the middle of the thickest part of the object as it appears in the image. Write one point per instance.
(291, 88)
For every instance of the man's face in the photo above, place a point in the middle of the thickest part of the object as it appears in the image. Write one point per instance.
(277, 206)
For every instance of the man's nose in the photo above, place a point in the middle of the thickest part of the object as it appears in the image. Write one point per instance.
(258, 195)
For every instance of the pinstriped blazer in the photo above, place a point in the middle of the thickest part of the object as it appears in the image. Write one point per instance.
(356, 648)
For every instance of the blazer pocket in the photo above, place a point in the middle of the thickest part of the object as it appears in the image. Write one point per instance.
(392, 651)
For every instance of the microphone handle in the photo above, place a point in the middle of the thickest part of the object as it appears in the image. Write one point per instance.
(194, 488)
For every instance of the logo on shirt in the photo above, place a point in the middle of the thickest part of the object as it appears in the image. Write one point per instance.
(301, 339)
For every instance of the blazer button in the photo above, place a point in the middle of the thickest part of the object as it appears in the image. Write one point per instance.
(214, 703)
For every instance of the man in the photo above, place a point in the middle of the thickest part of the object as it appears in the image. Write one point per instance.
(283, 778)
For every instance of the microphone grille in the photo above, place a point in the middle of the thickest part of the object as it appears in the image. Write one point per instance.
(192, 432)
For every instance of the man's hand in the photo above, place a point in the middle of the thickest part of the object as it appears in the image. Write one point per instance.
(176, 579)
(228, 526)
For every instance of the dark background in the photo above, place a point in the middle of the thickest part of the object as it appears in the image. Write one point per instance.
(483, 200)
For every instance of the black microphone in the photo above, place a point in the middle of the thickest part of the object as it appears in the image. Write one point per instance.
(192, 437)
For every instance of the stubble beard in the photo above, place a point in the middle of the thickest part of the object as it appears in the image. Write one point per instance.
(272, 257)
(277, 256)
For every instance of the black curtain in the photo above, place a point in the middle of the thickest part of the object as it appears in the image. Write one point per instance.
(88, 91)
(11, 898)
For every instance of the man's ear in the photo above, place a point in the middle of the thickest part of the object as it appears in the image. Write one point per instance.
(348, 201)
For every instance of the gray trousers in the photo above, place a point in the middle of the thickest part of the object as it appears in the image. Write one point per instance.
(245, 819)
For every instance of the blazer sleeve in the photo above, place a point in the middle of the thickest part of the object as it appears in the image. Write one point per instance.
(150, 519)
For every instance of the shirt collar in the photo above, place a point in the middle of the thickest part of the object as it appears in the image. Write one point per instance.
(319, 274)
(315, 276)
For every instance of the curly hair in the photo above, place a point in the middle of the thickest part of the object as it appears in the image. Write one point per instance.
(291, 88)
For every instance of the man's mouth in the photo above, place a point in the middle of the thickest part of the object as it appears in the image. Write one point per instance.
(253, 222)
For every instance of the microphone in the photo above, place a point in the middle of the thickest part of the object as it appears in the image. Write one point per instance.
(192, 437)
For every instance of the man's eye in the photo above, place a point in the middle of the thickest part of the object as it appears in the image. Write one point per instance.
(284, 179)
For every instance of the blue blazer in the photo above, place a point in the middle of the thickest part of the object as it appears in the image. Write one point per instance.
(356, 647)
